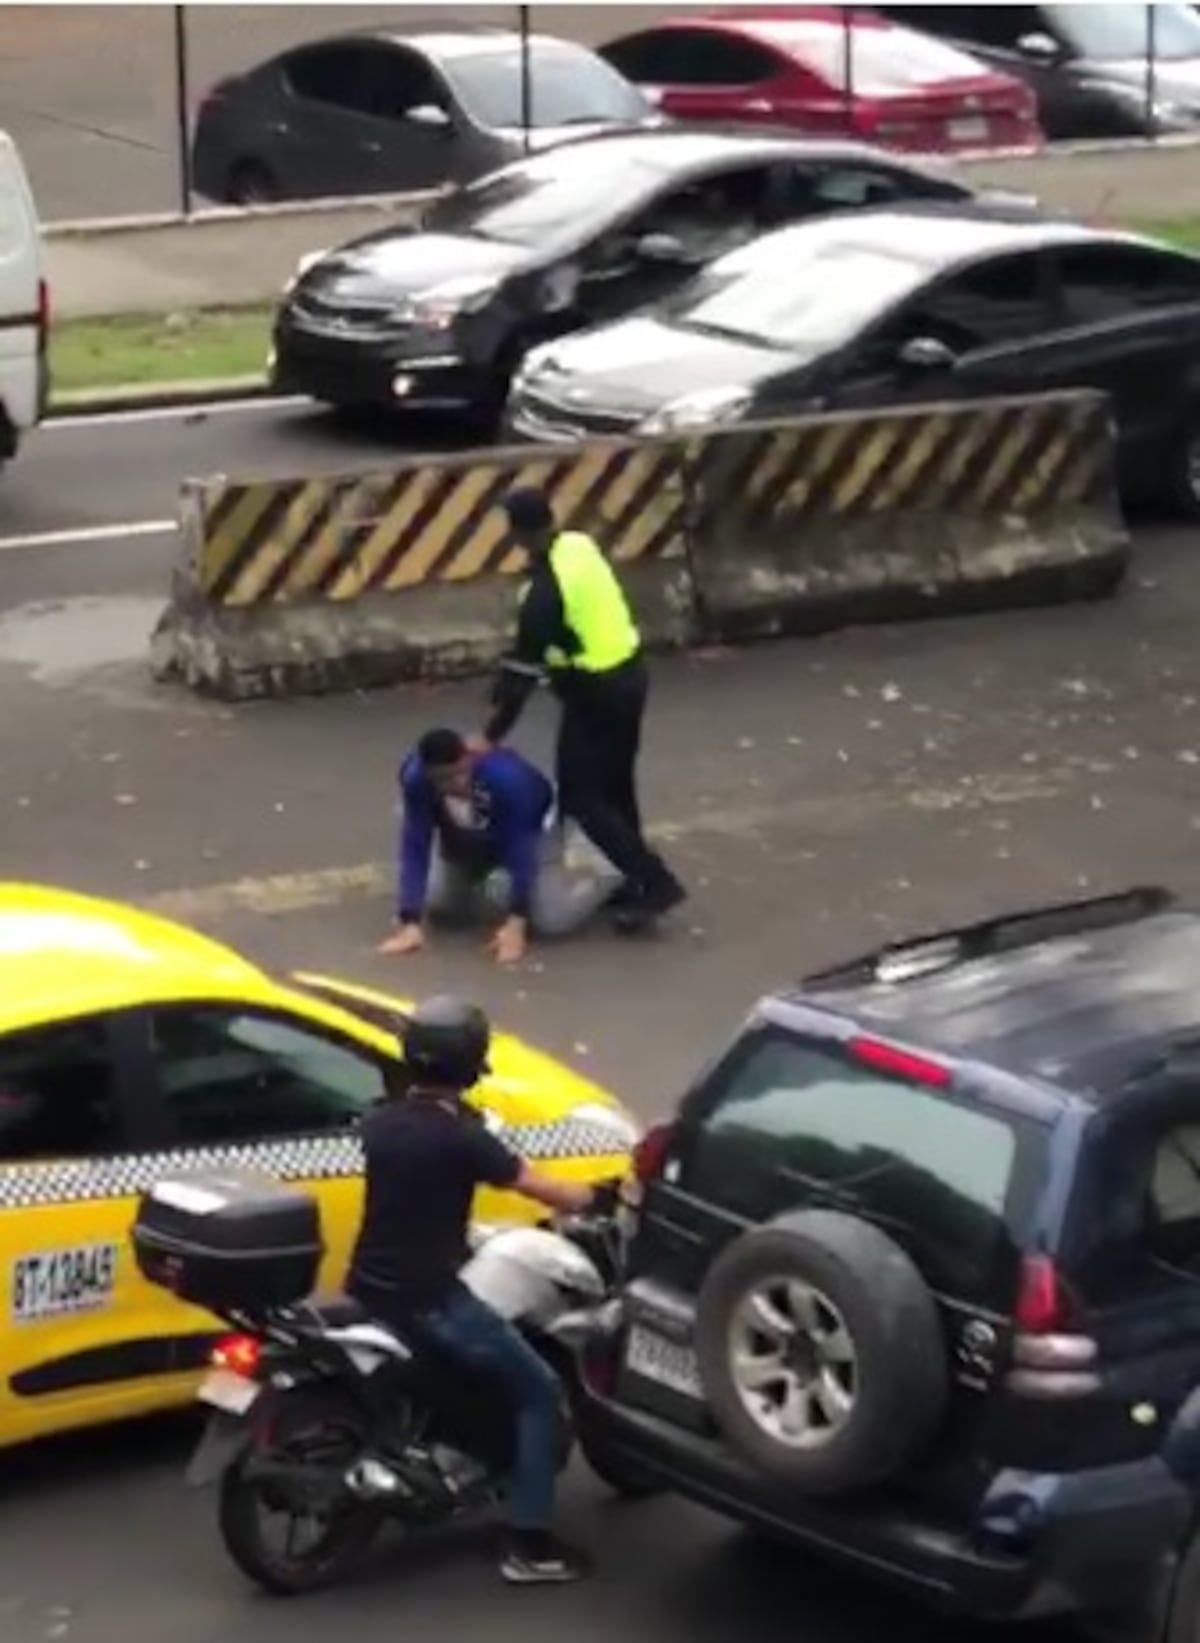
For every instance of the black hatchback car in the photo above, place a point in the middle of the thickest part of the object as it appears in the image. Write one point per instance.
(915, 1280)
(438, 318)
(384, 112)
(898, 306)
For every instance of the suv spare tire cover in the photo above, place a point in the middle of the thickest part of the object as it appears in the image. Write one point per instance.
(866, 1375)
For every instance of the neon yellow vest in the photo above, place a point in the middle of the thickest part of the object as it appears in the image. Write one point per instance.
(594, 604)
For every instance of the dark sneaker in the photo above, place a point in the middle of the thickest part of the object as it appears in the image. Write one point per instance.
(534, 1557)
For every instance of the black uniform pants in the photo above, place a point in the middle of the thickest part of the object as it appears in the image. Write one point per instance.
(599, 738)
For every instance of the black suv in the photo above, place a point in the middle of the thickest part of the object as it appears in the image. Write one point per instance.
(915, 1277)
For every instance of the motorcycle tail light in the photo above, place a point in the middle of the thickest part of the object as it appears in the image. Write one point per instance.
(239, 1354)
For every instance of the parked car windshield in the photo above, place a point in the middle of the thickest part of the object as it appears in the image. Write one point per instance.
(567, 86)
(881, 61)
(557, 196)
(1111, 33)
(804, 303)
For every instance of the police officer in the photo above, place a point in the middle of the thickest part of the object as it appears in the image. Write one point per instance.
(575, 624)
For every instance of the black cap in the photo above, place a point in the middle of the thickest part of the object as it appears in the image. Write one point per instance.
(528, 510)
(445, 1042)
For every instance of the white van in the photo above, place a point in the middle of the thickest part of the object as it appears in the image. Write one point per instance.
(24, 306)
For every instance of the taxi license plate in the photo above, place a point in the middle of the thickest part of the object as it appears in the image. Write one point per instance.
(662, 1361)
(232, 1394)
(972, 130)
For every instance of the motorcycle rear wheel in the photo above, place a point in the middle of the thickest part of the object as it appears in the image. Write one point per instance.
(312, 1428)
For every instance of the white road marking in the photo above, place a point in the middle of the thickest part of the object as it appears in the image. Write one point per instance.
(83, 534)
(175, 413)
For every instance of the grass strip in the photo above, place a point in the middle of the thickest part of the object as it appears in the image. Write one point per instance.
(147, 350)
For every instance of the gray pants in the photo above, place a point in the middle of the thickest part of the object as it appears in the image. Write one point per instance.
(562, 901)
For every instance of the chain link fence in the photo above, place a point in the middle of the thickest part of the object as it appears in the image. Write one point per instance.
(102, 100)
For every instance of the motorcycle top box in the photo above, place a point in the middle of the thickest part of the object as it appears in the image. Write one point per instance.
(233, 1242)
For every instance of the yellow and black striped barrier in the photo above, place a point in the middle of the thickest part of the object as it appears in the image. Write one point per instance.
(437, 520)
(316, 584)
(1012, 457)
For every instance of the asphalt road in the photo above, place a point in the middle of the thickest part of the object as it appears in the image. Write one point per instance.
(817, 797)
(81, 473)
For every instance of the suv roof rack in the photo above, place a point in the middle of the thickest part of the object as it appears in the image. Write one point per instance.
(941, 950)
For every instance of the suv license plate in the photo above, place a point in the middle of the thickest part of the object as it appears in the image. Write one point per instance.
(231, 1393)
(657, 1359)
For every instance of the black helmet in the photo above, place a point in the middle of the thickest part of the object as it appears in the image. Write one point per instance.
(445, 1043)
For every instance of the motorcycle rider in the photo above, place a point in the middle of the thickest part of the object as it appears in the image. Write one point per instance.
(426, 1153)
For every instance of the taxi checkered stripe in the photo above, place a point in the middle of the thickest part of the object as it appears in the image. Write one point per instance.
(303, 1158)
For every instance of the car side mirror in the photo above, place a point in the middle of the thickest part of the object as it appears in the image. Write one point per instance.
(662, 248)
(926, 354)
(1040, 48)
(429, 116)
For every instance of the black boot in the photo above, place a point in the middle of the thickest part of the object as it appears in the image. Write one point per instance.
(649, 902)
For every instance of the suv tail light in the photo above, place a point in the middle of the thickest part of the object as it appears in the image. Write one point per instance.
(1044, 1306)
(43, 315)
(1053, 1356)
(650, 1154)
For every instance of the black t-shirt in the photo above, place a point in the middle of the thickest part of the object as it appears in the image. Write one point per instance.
(425, 1158)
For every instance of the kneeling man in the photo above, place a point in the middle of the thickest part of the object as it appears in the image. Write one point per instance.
(477, 839)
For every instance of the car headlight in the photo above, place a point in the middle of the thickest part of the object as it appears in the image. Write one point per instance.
(310, 259)
(1179, 116)
(438, 308)
(625, 1131)
(713, 405)
(1163, 111)
(533, 368)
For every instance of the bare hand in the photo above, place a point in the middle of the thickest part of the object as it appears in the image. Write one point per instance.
(509, 945)
(404, 939)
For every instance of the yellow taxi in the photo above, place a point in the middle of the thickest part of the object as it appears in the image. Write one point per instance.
(133, 1048)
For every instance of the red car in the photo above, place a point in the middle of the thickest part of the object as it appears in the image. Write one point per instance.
(828, 69)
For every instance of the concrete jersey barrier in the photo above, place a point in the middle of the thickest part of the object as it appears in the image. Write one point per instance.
(311, 586)
(219, 257)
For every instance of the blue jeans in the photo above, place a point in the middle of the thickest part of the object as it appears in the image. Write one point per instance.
(467, 1329)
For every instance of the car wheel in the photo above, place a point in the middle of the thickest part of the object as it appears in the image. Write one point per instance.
(821, 1352)
(1181, 480)
(250, 183)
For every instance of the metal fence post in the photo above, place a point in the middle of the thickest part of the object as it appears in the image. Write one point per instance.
(1151, 72)
(526, 84)
(182, 133)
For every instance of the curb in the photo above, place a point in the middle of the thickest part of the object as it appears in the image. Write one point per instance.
(158, 396)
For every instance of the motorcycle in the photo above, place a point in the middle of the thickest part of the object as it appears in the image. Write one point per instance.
(322, 1417)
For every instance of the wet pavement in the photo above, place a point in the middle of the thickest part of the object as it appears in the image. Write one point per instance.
(816, 796)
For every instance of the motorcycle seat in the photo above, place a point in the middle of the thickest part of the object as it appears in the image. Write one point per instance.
(336, 1311)
(345, 1320)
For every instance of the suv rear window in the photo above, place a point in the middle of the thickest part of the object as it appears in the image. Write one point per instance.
(789, 1124)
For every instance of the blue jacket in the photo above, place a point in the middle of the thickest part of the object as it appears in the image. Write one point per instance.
(510, 801)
